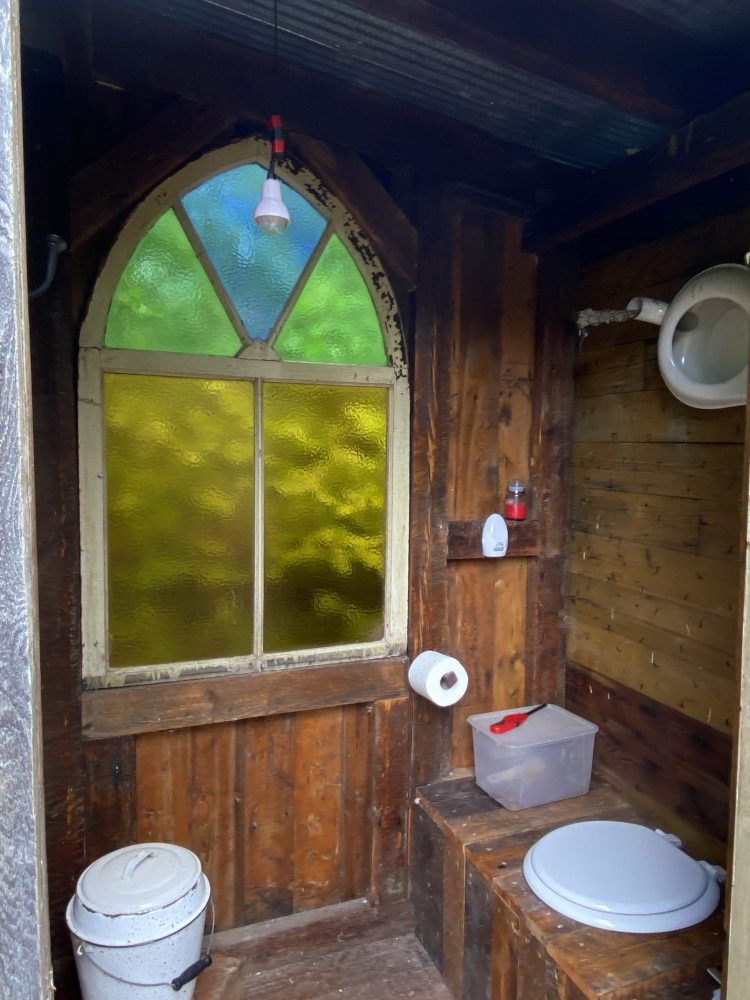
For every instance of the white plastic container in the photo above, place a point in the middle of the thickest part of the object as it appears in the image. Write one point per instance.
(136, 922)
(548, 757)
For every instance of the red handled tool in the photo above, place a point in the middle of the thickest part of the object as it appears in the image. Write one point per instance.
(514, 720)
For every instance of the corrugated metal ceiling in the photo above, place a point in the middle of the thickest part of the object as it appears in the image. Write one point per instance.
(725, 23)
(435, 75)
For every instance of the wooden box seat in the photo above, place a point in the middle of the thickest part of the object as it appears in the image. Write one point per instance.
(493, 939)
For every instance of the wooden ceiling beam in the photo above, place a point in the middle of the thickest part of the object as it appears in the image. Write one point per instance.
(710, 145)
(598, 49)
(149, 54)
(123, 175)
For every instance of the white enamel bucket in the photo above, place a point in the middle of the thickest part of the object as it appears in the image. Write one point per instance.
(137, 921)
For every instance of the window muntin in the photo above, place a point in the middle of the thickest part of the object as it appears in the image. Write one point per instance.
(319, 591)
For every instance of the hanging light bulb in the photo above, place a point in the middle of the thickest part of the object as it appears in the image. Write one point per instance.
(271, 214)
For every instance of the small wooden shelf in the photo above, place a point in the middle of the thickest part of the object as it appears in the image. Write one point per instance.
(465, 540)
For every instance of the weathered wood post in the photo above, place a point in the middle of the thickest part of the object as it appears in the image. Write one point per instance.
(25, 971)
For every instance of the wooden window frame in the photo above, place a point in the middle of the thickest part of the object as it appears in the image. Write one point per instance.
(256, 363)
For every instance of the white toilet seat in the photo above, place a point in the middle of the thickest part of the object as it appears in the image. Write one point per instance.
(620, 877)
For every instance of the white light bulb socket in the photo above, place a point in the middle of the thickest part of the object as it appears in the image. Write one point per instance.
(271, 214)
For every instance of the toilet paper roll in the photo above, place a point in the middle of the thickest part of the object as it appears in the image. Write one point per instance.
(439, 678)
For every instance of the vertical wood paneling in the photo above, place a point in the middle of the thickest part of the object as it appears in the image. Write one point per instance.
(111, 802)
(428, 528)
(390, 778)
(187, 792)
(472, 621)
(454, 878)
(267, 817)
(164, 769)
(551, 436)
(287, 813)
(491, 413)
(478, 936)
(53, 331)
(427, 852)
(356, 828)
(318, 784)
(214, 793)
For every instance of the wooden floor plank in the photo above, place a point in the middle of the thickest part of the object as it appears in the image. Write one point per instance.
(288, 939)
(396, 967)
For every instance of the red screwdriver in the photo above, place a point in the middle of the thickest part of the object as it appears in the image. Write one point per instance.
(513, 721)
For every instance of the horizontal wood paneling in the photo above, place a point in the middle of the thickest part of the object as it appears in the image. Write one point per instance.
(653, 415)
(678, 770)
(698, 581)
(621, 368)
(653, 575)
(669, 522)
(178, 704)
(697, 692)
(609, 601)
(662, 264)
(711, 471)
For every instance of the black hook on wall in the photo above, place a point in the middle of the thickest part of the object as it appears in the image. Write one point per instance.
(55, 246)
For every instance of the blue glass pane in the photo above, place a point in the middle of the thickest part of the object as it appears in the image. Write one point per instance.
(258, 271)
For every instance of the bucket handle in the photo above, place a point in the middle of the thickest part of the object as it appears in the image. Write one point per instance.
(186, 976)
(191, 972)
(131, 866)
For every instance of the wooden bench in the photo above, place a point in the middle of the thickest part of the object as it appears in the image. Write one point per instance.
(493, 939)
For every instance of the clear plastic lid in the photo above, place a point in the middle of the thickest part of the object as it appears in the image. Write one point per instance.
(550, 725)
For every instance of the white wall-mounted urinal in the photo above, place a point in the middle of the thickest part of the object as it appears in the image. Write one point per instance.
(704, 337)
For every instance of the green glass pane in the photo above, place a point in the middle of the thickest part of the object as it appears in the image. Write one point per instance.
(164, 300)
(179, 518)
(325, 487)
(334, 320)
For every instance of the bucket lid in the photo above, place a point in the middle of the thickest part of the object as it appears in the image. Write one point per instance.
(137, 894)
(550, 725)
(621, 876)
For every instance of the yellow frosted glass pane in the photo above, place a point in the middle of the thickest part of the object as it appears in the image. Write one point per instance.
(179, 460)
(325, 486)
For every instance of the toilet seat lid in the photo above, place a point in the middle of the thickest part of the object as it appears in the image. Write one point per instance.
(615, 868)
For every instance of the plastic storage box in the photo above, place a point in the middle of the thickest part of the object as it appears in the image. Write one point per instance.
(546, 758)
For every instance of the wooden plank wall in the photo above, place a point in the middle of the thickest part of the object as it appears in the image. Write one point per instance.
(292, 807)
(653, 557)
(289, 804)
(287, 813)
(490, 412)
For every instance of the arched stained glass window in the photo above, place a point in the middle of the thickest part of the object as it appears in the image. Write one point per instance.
(243, 412)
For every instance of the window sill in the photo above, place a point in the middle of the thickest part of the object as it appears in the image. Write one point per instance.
(147, 708)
